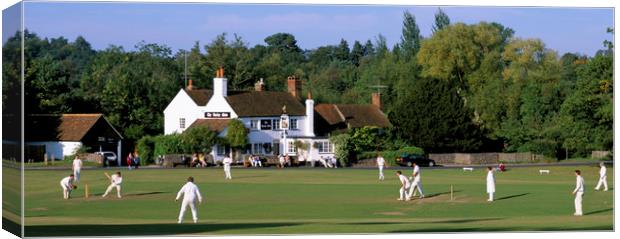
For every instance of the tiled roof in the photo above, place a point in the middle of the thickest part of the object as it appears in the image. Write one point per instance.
(254, 103)
(61, 127)
(353, 115)
(217, 125)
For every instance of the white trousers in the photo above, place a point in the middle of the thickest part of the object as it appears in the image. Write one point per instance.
(112, 186)
(259, 163)
(490, 196)
(76, 173)
(227, 172)
(192, 206)
(66, 192)
(602, 182)
(578, 199)
(381, 176)
(412, 190)
(403, 193)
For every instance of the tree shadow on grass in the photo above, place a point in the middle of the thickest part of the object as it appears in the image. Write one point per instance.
(142, 229)
(511, 196)
(425, 222)
(144, 194)
(600, 211)
(432, 195)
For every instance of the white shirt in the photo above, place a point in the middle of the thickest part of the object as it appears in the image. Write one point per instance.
(77, 164)
(227, 161)
(67, 182)
(490, 182)
(190, 192)
(603, 171)
(579, 184)
(380, 161)
(115, 179)
(416, 172)
(404, 180)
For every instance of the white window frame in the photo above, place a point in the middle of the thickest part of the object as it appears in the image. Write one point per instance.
(221, 150)
(291, 147)
(254, 124)
(293, 124)
(276, 124)
(182, 123)
(257, 148)
(323, 145)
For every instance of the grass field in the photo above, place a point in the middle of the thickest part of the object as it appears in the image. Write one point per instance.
(307, 201)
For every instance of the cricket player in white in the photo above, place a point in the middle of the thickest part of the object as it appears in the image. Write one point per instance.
(381, 164)
(227, 161)
(490, 183)
(578, 192)
(67, 186)
(404, 185)
(115, 182)
(77, 167)
(602, 181)
(416, 183)
(190, 194)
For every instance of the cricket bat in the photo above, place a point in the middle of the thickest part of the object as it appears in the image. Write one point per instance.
(107, 175)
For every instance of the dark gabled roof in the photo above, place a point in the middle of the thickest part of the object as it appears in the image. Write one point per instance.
(264, 103)
(353, 115)
(201, 97)
(61, 127)
(217, 125)
(254, 103)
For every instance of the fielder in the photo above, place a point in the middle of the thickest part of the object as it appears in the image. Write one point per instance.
(404, 185)
(602, 181)
(380, 164)
(67, 186)
(227, 161)
(490, 183)
(578, 192)
(77, 167)
(115, 182)
(416, 183)
(190, 193)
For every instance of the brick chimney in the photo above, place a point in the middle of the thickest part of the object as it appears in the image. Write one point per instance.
(294, 86)
(376, 99)
(190, 86)
(259, 85)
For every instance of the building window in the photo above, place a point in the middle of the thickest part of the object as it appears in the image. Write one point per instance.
(291, 147)
(325, 147)
(257, 148)
(276, 124)
(294, 124)
(221, 150)
(253, 124)
(182, 123)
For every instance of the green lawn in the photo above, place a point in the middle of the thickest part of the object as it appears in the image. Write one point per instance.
(301, 201)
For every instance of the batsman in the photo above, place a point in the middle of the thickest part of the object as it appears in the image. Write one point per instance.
(115, 182)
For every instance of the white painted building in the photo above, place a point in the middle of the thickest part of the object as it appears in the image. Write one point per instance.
(275, 120)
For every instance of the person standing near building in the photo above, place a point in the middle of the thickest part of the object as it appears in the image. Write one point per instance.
(416, 183)
(136, 160)
(404, 185)
(77, 167)
(257, 161)
(380, 164)
(67, 186)
(281, 160)
(602, 180)
(129, 160)
(190, 193)
(490, 183)
(227, 162)
(115, 182)
(578, 192)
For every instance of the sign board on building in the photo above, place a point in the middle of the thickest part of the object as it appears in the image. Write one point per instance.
(217, 115)
(265, 124)
(284, 122)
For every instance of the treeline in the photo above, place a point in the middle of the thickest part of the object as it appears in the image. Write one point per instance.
(464, 88)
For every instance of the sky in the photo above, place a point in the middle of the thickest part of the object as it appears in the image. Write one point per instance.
(179, 26)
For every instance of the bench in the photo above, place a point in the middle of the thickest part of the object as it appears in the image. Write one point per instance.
(468, 169)
(547, 171)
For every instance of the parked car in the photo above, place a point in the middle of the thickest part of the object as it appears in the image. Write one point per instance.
(109, 158)
(419, 159)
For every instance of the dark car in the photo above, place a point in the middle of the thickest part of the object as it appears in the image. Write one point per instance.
(419, 159)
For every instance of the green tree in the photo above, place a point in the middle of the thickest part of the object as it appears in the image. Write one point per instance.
(236, 135)
(199, 140)
(441, 20)
(411, 38)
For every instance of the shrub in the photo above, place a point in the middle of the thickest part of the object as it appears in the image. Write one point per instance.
(343, 148)
(146, 147)
(391, 155)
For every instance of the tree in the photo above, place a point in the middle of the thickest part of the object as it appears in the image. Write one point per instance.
(441, 20)
(410, 39)
(199, 140)
(357, 53)
(236, 135)
(342, 51)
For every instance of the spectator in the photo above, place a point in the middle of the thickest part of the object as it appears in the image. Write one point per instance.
(201, 160)
(287, 159)
(129, 161)
(136, 160)
(281, 160)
